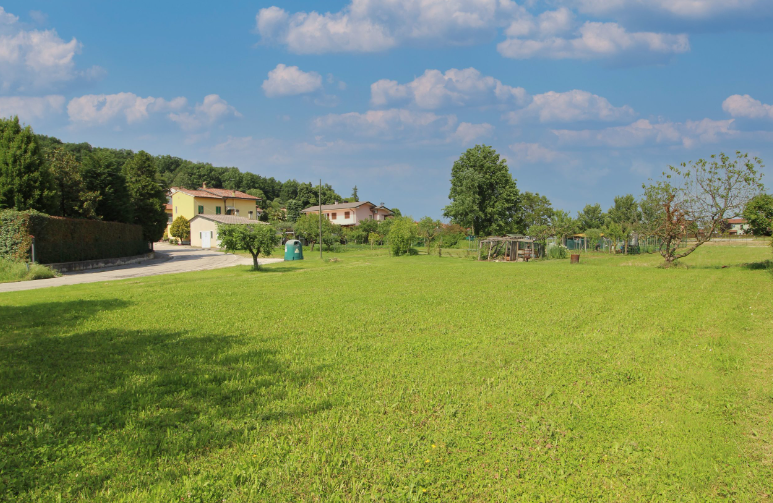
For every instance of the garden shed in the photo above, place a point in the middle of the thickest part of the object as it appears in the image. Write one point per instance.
(514, 248)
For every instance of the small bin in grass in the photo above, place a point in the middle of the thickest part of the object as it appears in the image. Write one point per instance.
(575, 259)
(293, 250)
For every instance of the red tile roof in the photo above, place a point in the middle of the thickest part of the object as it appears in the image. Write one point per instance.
(736, 220)
(168, 206)
(215, 193)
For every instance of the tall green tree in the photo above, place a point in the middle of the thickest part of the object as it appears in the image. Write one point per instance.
(625, 212)
(25, 181)
(101, 173)
(483, 194)
(355, 196)
(293, 210)
(536, 209)
(73, 199)
(429, 229)
(759, 214)
(146, 194)
(563, 225)
(591, 217)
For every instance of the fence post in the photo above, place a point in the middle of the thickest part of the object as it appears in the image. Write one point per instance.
(33, 249)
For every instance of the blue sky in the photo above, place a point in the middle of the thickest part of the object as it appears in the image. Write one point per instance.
(586, 99)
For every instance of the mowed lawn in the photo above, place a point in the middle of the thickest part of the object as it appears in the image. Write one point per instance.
(395, 379)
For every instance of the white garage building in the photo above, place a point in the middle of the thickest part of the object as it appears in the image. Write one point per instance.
(204, 228)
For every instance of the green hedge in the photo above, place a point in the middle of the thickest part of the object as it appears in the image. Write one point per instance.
(60, 239)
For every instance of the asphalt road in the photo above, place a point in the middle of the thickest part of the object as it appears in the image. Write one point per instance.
(169, 259)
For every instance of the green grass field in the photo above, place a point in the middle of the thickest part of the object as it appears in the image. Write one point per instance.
(396, 379)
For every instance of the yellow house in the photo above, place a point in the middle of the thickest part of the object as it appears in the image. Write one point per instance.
(205, 201)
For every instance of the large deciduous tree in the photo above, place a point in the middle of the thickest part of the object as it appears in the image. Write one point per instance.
(257, 238)
(563, 225)
(483, 194)
(25, 181)
(147, 196)
(536, 210)
(591, 217)
(698, 196)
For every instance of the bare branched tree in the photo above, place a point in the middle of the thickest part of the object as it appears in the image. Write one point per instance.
(696, 198)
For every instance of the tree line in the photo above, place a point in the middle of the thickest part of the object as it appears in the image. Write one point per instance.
(693, 199)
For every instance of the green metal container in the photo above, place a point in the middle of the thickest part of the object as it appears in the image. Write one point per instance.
(293, 250)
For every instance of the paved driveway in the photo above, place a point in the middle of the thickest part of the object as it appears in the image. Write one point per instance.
(169, 259)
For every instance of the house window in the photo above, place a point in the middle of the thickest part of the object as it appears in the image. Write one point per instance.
(218, 210)
(175, 210)
(250, 215)
(333, 217)
(169, 219)
(346, 214)
(237, 213)
(370, 216)
(201, 210)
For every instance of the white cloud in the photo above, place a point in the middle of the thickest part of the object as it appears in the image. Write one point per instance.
(534, 153)
(93, 109)
(212, 110)
(35, 58)
(570, 106)
(29, 108)
(290, 80)
(385, 124)
(377, 25)
(595, 40)
(467, 133)
(643, 132)
(687, 9)
(435, 89)
(747, 107)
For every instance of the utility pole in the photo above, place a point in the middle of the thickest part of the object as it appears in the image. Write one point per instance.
(320, 218)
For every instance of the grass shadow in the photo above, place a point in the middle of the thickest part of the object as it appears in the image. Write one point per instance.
(73, 403)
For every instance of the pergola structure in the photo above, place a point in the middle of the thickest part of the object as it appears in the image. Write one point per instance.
(510, 248)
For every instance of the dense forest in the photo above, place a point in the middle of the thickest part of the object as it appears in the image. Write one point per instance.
(176, 172)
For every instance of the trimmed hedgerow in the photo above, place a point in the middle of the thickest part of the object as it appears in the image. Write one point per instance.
(60, 239)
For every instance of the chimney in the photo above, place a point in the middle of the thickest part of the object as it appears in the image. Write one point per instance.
(204, 185)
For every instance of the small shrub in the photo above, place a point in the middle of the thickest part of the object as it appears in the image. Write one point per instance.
(181, 228)
(401, 235)
(15, 270)
(556, 252)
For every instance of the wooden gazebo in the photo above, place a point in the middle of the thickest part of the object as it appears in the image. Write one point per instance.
(509, 248)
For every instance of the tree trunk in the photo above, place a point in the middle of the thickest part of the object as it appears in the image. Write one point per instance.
(255, 261)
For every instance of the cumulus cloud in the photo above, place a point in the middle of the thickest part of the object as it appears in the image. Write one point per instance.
(747, 107)
(385, 124)
(570, 106)
(35, 58)
(29, 108)
(290, 81)
(435, 89)
(592, 40)
(643, 132)
(93, 109)
(212, 110)
(467, 133)
(533, 153)
(377, 25)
